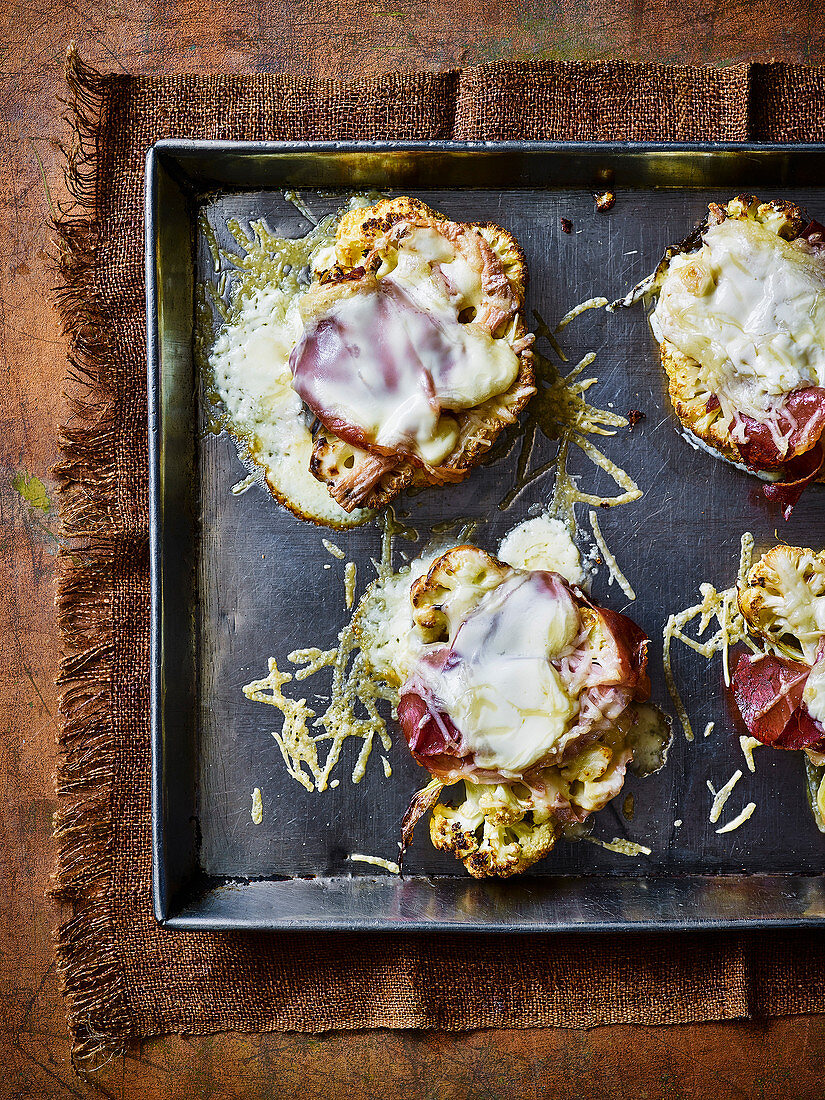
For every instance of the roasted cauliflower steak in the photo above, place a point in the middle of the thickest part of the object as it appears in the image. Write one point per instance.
(364, 245)
(689, 399)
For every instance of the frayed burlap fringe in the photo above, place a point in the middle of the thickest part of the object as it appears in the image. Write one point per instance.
(122, 979)
(90, 972)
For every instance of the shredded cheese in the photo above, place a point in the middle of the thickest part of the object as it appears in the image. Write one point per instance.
(731, 628)
(375, 861)
(313, 661)
(576, 311)
(336, 551)
(748, 744)
(560, 411)
(257, 806)
(740, 819)
(355, 693)
(670, 680)
(621, 846)
(350, 571)
(354, 689)
(241, 486)
(721, 796)
(612, 565)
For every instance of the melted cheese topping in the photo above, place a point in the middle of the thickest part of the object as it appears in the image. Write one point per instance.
(388, 632)
(814, 694)
(749, 308)
(249, 372)
(502, 691)
(542, 543)
(411, 264)
(375, 349)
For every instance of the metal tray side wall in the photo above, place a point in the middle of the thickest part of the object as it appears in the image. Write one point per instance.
(173, 535)
(589, 901)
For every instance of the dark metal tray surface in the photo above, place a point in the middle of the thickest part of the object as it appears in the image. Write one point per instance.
(237, 579)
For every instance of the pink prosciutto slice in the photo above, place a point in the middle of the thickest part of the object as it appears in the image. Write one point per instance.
(803, 420)
(365, 354)
(603, 681)
(768, 692)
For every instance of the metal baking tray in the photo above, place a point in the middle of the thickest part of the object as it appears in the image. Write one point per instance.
(236, 579)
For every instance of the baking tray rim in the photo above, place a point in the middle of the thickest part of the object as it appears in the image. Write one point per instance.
(187, 146)
(190, 918)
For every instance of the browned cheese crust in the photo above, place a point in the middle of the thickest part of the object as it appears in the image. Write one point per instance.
(356, 237)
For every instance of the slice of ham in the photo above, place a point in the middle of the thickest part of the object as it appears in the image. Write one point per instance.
(429, 732)
(363, 354)
(614, 676)
(803, 420)
(768, 693)
(797, 475)
(814, 235)
(630, 645)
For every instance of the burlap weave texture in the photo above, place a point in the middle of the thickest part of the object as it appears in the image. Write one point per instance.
(124, 976)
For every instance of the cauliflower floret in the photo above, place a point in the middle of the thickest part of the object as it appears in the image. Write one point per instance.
(456, 582)
(784, 600)
(502, 830)
(423, 247)
(785, 219)
(489, 834)
(590, 764)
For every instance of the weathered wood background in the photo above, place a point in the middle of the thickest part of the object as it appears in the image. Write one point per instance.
(341, 38)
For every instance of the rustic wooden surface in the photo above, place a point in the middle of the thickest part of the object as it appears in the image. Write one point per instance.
(780, 1059)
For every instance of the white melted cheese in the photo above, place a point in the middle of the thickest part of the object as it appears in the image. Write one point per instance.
(393, 643)
(482, 366)
(466, 364)
(388, 636)
(249, 363)
(814, 694)
(503, 693)
(542, 543)
(411, 266)
(749, 308)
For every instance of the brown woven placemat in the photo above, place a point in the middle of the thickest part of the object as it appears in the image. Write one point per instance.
(126, 978)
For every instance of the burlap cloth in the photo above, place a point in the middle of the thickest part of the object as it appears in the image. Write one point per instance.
(126, 978)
